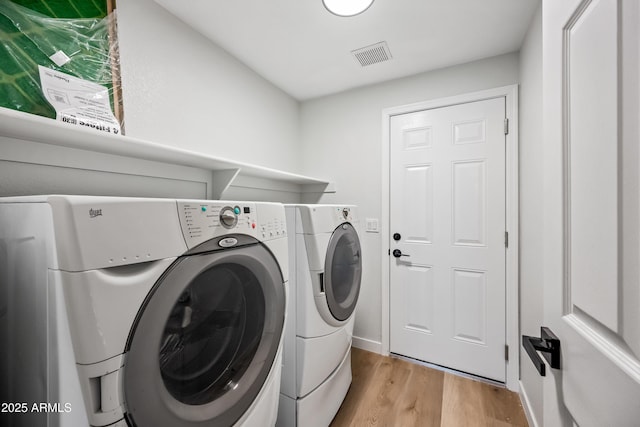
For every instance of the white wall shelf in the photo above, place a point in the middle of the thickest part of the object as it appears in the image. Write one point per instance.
(28, 127)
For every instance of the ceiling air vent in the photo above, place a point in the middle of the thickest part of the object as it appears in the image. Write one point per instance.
(373, 54)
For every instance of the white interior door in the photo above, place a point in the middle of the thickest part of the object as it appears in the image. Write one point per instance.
(592, 215)
(447, 206)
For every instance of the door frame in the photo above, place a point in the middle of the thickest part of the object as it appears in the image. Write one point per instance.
(512, 323)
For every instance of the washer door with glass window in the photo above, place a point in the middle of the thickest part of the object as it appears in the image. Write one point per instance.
(343, 271)
(205, 339)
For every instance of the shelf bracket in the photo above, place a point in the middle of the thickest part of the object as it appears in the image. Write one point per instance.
(222, 179)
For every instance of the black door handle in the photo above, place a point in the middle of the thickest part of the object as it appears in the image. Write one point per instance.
(548, 344)
(398, 253)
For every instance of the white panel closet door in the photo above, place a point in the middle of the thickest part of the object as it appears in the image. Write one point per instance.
(592, 221)
(447, 289)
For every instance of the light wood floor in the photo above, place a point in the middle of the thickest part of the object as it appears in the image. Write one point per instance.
(390, 392)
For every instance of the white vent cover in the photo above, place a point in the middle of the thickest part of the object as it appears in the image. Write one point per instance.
(373, 54)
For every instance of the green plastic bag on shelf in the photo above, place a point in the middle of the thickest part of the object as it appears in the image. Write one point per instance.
(81, 47)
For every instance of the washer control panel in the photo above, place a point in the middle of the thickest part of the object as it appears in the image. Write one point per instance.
(203, 220)
(273, 228)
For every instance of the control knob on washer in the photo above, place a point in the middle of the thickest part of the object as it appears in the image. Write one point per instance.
(228, 217)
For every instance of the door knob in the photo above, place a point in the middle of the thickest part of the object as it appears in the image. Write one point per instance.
(548, 344)
(398, 253)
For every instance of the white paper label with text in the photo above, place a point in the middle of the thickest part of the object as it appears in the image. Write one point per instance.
(78, 102)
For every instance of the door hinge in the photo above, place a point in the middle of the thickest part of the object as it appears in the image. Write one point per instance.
(506, 353)
(506, 126)
(506, 239)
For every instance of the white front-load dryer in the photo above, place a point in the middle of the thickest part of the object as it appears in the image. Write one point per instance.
(325, 262)
(141, 312)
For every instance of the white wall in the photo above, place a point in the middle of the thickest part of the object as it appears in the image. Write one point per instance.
(181, 89)
(341, 139)
(531, 207)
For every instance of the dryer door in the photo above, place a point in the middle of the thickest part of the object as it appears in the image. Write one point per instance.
(343, 271)
(205, 340)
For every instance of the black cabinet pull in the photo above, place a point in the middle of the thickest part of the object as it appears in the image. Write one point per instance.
(548, 344)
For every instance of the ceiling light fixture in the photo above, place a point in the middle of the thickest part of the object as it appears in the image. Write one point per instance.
(347, 7)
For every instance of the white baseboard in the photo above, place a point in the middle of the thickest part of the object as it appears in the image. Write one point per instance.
(366, 344)
(526, 404)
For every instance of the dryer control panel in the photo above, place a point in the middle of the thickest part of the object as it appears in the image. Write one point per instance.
(204, 220)
(315, 219)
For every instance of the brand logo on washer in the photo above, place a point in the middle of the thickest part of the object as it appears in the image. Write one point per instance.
(228, 242)
(95, 212)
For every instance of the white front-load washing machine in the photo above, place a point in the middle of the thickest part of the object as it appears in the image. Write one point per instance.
(325, 273)
(141, 312)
